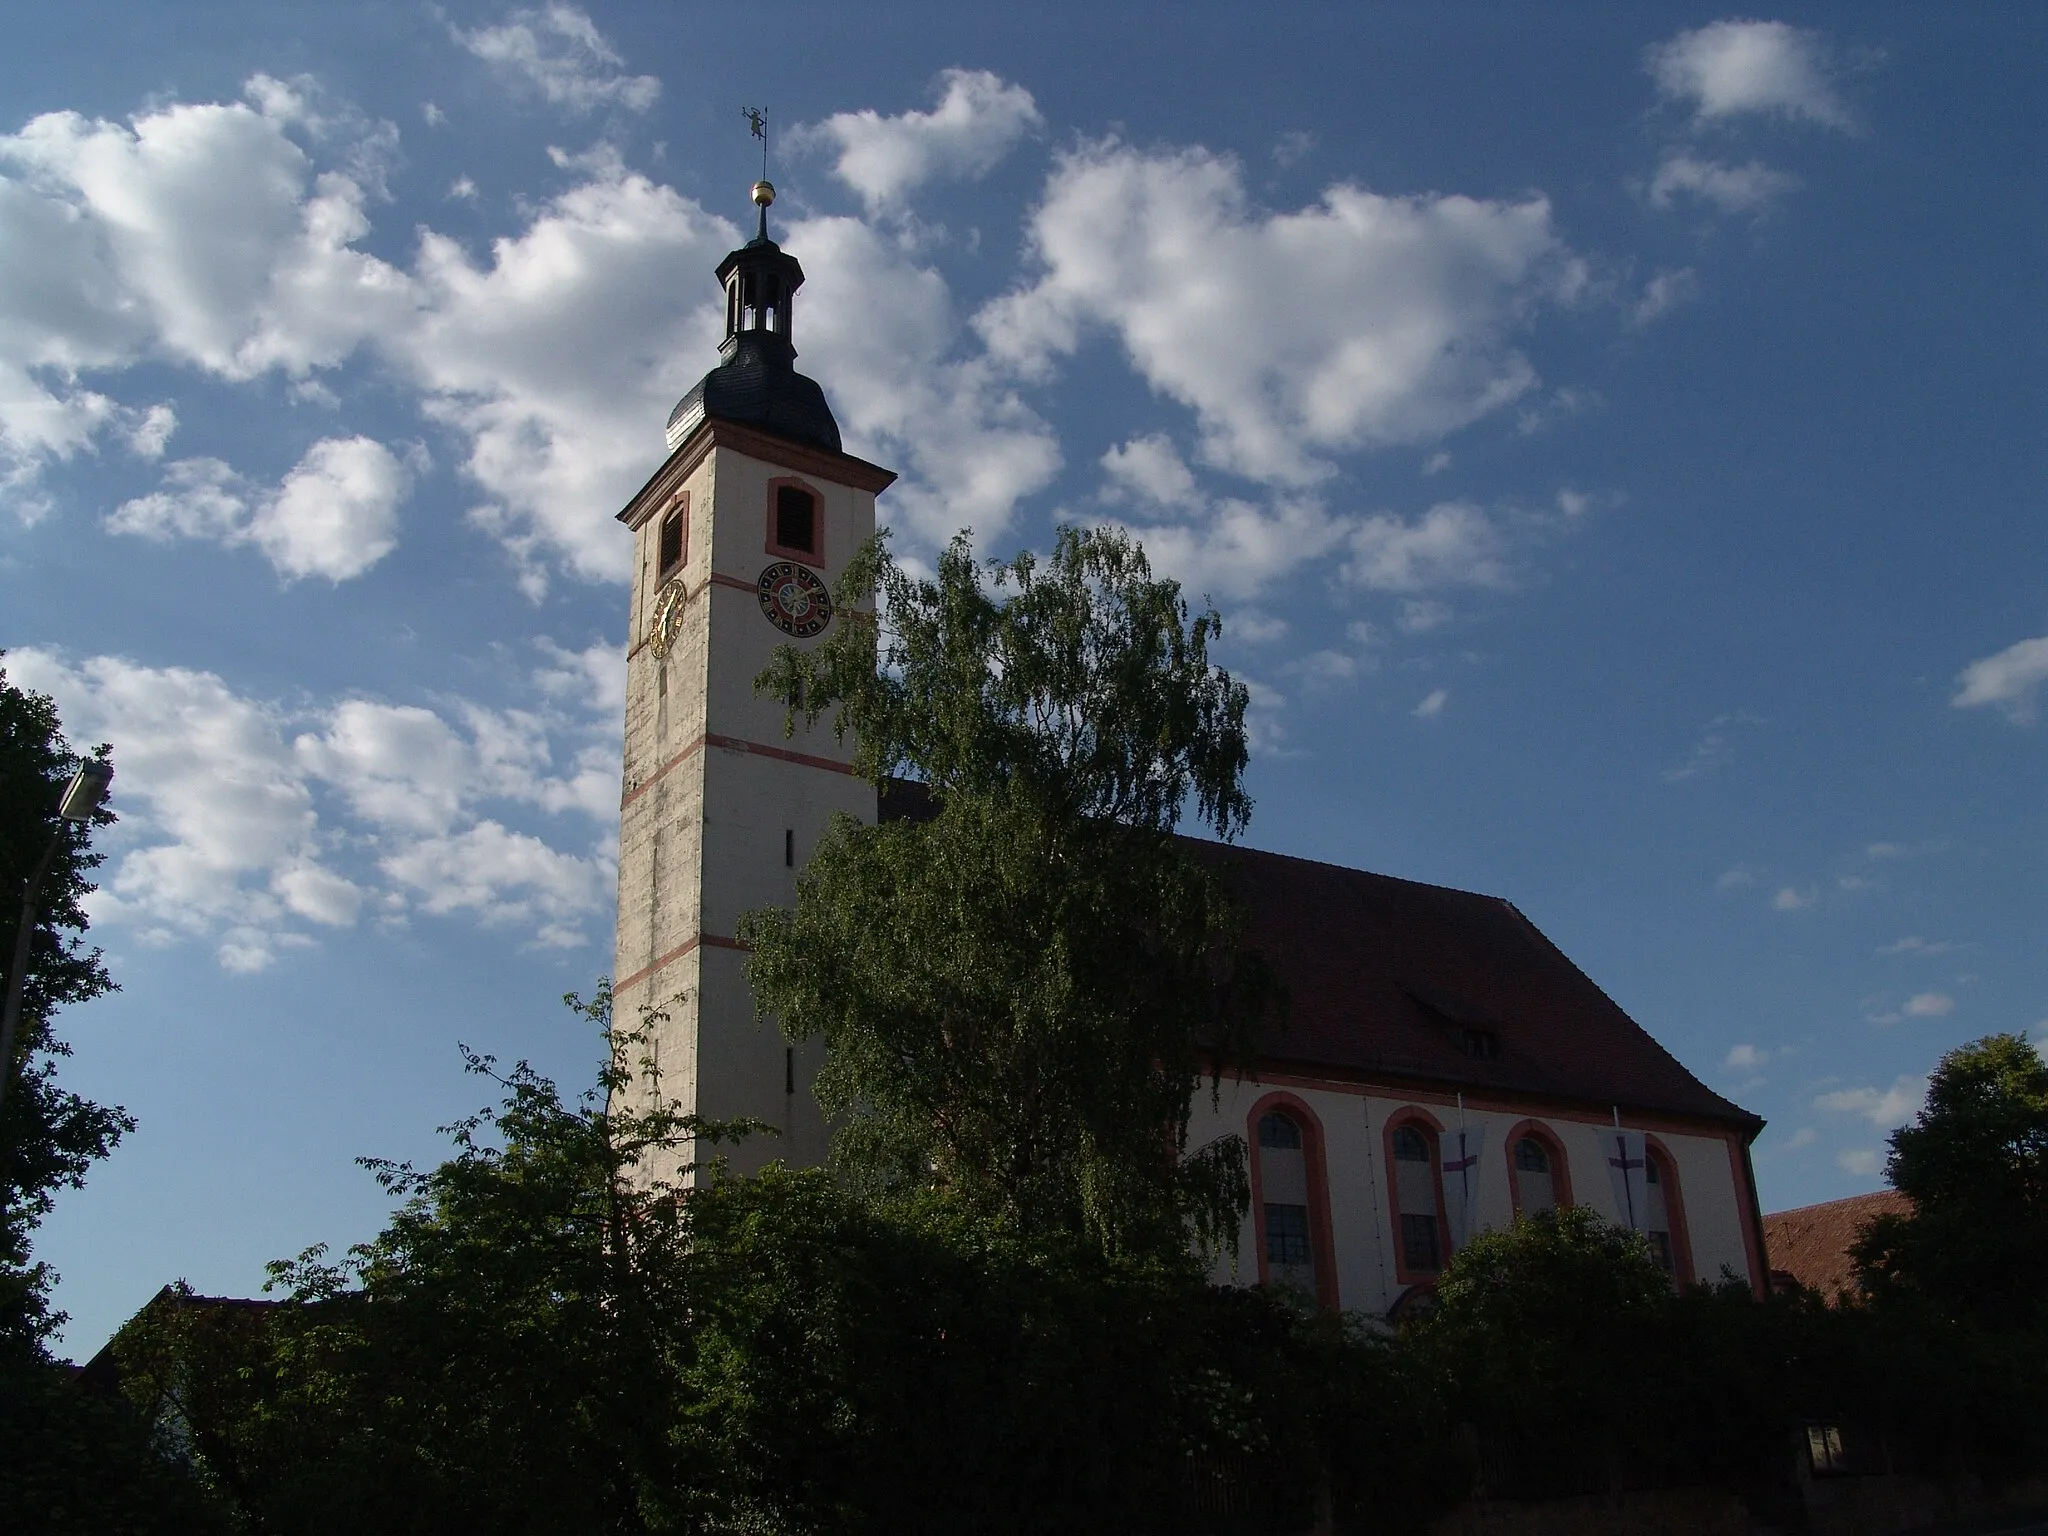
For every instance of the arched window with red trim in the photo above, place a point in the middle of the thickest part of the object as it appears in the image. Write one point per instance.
(1539, 1178)
(1290, 1198)
(1283, 1191)
(1421, 1234)
(1664, 1222)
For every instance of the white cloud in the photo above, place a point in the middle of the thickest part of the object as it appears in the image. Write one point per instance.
(335, 514)
(559, 52)
(2010, 679)
(1236, 549)
(1359, 321)
(1418, 616)
(1805, 1136)
(1150, 468)
(978, 119)
(1791, 899)
(1735, 879)
(1745, 1058)
(1730, 68)
(879, 333)
(1929, 1005)
(1664, 292)
(237, 831)
(207, 785)
(1730, 188)
(1714, 750)
(1432, 704)
(1453, 544)
(198, 234)
(559, 360)
(504, 877)
(1913, 944)
(1893, 1106)
(1862, 1161)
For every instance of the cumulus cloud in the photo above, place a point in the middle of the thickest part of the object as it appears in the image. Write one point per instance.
(979, 117)
(1728, 69)
(1862, 1161)
(335, 514)
(880, 333)
(1453, 544)
(1883, 1108)
(503, 877)
(1432, 704)
(1747, 188)
(200, 234)
(1745, 1058)
(1357, 322)
(243, 820)
(1792, 899)
(2011, 679)
(558, 51)
(1929, 1005)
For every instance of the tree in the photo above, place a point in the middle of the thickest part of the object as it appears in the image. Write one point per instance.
(1018, 991)
(1975, 1165)
(542, 1340)
(49, 1137)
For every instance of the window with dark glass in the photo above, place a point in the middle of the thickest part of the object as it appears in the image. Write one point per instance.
(1287, 1236)
(1480, 1044)
(1278, 1131)
(1418, 1243)
(796, 519)
(671, 541)
(1415, 1190)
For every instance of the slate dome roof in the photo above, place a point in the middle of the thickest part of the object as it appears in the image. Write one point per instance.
(756, 389)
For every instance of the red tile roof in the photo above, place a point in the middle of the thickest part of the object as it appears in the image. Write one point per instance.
(1390, 977)
(1811, 1244)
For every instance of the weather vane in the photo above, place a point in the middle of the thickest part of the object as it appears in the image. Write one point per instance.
(757, 121)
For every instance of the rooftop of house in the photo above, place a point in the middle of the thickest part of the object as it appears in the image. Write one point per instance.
(1811, 1244)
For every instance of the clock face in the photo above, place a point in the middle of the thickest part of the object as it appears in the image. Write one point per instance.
(668, 617)
(794, 599)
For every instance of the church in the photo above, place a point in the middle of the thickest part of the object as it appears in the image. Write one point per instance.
(1445, 1068)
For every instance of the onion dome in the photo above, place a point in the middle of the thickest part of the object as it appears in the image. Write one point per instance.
(757, 385)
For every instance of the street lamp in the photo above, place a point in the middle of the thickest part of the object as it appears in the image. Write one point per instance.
(82, 796)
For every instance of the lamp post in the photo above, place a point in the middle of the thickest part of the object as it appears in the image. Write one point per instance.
(82, 796)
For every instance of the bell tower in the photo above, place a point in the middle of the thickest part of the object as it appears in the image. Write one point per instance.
(737, 540)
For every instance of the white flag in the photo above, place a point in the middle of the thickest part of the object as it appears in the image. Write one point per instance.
(1461, 1181)
(1624, 1152)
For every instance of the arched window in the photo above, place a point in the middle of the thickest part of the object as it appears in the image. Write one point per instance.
(1535, 1186)
(1283, 1195)
(1291, 1197)
(1418, 1201)
(1664, 1222)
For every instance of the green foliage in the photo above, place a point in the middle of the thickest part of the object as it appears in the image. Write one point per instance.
(49, 1137)
(1017, 993)
(1975, 1165)
(76, 1463)
(541, 1340)
(1088, 690)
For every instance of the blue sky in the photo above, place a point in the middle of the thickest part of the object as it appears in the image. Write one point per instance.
(1614, 442)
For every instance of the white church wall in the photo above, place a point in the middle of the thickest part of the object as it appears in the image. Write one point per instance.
(1353, 1122)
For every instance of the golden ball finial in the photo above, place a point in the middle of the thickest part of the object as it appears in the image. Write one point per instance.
(764, 193)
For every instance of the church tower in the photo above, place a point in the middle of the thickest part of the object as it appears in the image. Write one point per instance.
(738, 540)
